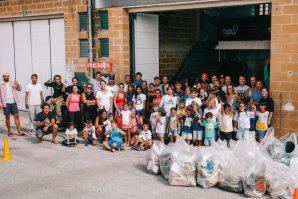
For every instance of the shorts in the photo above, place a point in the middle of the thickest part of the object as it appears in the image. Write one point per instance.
(173, 132)
(10, 109)
(91, 140)
(208, 141)
(42, 133)
(160, 135)
(139, 112)
(64, 142)
(241, 133)
(197, 135)
(187, 135)
(260, 134)
(118, 144)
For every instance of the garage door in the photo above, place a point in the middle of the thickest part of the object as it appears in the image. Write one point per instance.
(28, 47)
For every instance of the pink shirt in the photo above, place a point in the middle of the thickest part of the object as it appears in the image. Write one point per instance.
(74, 103)
(14, 89)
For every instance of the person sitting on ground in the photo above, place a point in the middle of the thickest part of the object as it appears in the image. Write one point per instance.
(89, 134)
(116, 138)
(108, 124)
(71, 135)
(144, 140)
(45, 123)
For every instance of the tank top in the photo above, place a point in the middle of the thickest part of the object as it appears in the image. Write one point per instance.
(89, 97)
(120, 100)
(74, 103)
(227, 123)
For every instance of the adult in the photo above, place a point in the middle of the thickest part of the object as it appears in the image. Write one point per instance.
(33, 100)
(75, 82)
(119, 99)
(45, 122)
(266, 99)
(157, 83)
(169, 101)
(165, 84)
(158, 97)
(151, 95)
(104, 98)
(89, 104)
(202, 97)
(138, 79)
(73, 106)
(178, 91)
(228, 81)
(231, 98)
(139, 100)
(253, 81)
(127, 82)
(96, 81)
(222, 80)
(57, 99)
(145, 88)
(213, 79)
(111, 85)
(99, 126)
(129, 95)
(8, 102)
(204, 82)
(241, 90)
(256, 94)
(186, 95)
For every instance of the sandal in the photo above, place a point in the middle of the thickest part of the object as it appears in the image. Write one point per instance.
(10, 135)
(54, 142)
(22, 134)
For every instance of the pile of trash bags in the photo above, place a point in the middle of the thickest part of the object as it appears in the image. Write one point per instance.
(248, 167)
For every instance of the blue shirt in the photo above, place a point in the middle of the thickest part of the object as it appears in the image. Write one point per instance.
(116, 135)
(209, 128)
(139, 83)
(185, 97)
(187, 123)
(196, 125)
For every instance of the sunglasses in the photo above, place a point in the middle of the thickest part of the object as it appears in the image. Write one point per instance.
(5, 75)
(89, 87)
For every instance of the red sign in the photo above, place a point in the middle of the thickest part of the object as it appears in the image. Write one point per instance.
(100, 65)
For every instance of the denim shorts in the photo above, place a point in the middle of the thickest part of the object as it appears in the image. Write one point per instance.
(173, 132)
(260, 134)
(43, 133)
(10, 109)
(118, 144)
(208, 141)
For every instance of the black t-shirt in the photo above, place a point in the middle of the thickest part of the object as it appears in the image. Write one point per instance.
(40, 117)
(269, 103)
(57, 88)
(68, 89)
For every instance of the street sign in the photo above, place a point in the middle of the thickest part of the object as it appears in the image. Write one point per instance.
(100, 65)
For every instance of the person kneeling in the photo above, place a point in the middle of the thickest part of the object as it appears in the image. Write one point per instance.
(71, 135)
(116, 138)
(45, 122)
(144, 140)
(89, 134)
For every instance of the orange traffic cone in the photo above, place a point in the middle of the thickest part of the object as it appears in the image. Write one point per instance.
(295, 193)
(6, 151)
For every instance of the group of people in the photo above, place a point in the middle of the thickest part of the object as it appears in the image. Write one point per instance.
(134, 113)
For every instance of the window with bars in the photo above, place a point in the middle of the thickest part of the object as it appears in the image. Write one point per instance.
(83, 48)
(104, 48)
(104, 20)
(264, 9)
(83, 21)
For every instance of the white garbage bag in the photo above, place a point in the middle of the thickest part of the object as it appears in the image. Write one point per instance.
(153, 157)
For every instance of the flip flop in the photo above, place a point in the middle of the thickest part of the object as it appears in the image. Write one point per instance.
(10, 135)
(54, 142)
(22, 134)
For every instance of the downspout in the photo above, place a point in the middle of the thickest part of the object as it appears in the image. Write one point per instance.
(90, 35)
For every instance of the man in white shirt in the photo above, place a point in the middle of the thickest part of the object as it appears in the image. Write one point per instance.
(111, 85)
(33, 100)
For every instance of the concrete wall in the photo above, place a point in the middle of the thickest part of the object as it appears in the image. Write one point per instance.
(284, 62)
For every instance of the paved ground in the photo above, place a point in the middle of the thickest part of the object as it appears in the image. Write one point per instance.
(52, 171)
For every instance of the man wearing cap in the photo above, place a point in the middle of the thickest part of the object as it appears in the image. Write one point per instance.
(8, 102)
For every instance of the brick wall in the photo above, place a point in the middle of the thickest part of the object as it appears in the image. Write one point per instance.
(284, 62)
(177, 34)
(70, 8)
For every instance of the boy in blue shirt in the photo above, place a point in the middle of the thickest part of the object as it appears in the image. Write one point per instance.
(197, 129)
(187, 125)
(209, 129)
(116, 136)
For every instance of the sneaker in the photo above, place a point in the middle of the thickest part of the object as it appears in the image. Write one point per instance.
(31, 132)
(87, 143)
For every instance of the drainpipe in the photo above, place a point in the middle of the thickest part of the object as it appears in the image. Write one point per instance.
(90, 34)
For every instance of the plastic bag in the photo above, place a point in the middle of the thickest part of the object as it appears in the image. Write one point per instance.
(271, 144)
(165, 161)
(207, 167)
(153, 157)
(182, 164)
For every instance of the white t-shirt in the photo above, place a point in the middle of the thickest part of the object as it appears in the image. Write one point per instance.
(104, 99)
(34, 93)
(145, 135)
(113, 89)
(153, 119)
(262, 124)
(9, 95)
(161, 127)
(71, 133)
(108, 125)
(139, 101)
(168, 102)
(213, 111)
(125, 117)
(195, 100)
(244, 119)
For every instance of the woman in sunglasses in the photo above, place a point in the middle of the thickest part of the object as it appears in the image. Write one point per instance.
(119, 99)
(89, 101)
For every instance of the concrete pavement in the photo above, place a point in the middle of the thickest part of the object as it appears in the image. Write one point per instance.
(45, 170)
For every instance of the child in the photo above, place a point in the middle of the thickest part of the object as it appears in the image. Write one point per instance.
(134, 121)
(125, 117)
(197, 129)
(193, 98)
(262, 122)
(116, 136)
(210, 126)
(89, 134)
(161, 124)
(242, 119)
(108, 124)
(181, 112)
(139, 100)
(71, 135)
(153, 119)
(144, 140)
(187, 124)
(212, 108)
(174, 127)
(226, 127)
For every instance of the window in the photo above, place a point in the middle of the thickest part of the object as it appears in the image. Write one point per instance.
(83, 48)
(104, 47)
(265, 9)
(104, 20)
(83, 22)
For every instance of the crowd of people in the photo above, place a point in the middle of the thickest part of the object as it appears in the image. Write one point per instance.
(135, 114)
